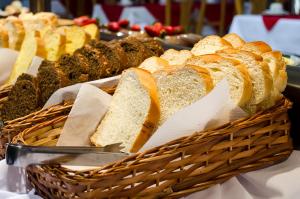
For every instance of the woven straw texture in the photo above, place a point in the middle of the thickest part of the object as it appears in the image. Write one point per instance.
(177, 168)
(13, 127)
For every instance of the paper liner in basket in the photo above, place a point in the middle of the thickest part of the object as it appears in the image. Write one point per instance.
(210, 111)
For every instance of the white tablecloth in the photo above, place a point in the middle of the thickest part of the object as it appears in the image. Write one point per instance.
(284, 36)
(280, 181)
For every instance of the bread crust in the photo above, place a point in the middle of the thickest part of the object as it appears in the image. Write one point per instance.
(256, 47)
(151, 122)
(235, 40)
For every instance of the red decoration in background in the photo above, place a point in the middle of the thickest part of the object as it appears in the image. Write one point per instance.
(271, 20)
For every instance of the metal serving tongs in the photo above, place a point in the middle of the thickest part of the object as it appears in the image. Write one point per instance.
(22, 155)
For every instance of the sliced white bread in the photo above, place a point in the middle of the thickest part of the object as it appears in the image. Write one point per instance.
(16, 32)
(93, 31)
(277, 67)
(175, 57)
(235, 40)
(259, 72)
(236, 74)
(55, 44)
(256, 47)
(76, 37)
(178, 88)
(209, 45)
(133, 113)
(153, 64)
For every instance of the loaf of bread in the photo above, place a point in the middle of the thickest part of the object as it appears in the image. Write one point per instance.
(133, 113)
(22, 99)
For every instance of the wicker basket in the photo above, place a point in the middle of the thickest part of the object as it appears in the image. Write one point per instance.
(175, 169)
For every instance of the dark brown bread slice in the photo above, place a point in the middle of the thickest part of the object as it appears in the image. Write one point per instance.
(22, 99)
(114, 63)
(121, 55)
(50, 78)
(97, 62)
(72, 68)
(153, 45)
(135, 50)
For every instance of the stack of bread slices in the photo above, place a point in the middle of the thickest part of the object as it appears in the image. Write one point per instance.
(147, 96)
(39, 35)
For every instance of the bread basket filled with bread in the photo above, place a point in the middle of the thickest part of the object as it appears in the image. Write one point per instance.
(169, 96)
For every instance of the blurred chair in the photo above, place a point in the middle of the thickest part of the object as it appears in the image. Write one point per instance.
(220, 23)
(185, 11)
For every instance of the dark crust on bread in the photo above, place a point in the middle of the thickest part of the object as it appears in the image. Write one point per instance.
(154, 46)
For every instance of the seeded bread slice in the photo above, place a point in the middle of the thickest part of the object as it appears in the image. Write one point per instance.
(175, 57)
(209, 45)
(235, 40)
(236, 74)
(178, 88)
(133, 113)
(154, 64)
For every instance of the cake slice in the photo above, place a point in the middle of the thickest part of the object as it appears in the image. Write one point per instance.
(76, 37)
(235, 40)
(54, 44)
(175, 57)
(133, 113)
(153, 64)
(92, 30)
(236, 74)
(178, 88)
(209, 45)
(22, 99)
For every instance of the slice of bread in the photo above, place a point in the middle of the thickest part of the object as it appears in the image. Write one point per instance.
(54, 44)
(178, 88)
(27, 52)
(235, 40)
(236, 74)
(76, 37)
(92, 30)
(256, 47)
(3, 37)
(175, 57)
(133, 113)
(153, 64)
(16, 32)
(277, 67)
(209, 45)
(259, 72)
